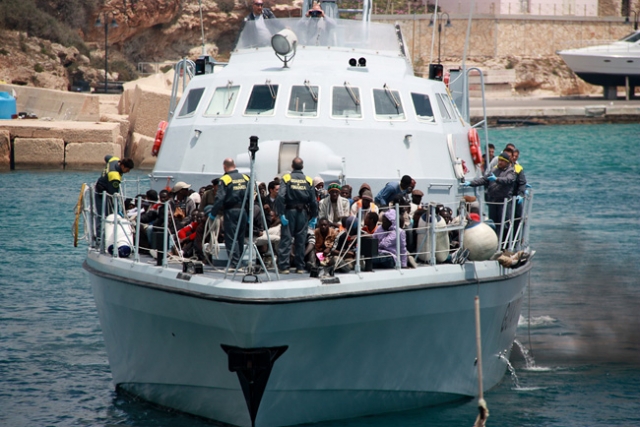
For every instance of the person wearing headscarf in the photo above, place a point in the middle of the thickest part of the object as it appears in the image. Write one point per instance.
(387, 245)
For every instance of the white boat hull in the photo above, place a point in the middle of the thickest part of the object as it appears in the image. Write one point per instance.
(616, 64)
(349, 353)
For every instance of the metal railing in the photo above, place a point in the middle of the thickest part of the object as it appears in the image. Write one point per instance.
(103, 210)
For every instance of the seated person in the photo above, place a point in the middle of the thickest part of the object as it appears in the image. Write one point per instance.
(325, 238)
(370, 223)
(387, 249)
(365, 202)
(335, 207)
(343, 252)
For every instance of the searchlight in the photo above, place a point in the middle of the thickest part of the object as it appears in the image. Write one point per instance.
(284, 43)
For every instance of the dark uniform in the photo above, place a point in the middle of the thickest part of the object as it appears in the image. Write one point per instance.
(231, 190)
(108, 182)
(497, 191)
(519, 190)
(297, 201)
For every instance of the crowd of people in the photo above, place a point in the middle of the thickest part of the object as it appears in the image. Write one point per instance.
(307, 224)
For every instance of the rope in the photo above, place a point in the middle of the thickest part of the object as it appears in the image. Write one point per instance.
(78, 211)
(212, 230)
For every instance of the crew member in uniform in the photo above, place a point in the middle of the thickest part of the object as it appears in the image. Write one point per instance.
(231, 190)
(109, 182)
(298, 208)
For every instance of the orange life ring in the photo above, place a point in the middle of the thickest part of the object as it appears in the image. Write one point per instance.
(447, 77)
(474, 146)
(162, 126)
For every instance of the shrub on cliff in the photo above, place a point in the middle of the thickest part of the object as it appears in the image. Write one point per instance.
(52, 20)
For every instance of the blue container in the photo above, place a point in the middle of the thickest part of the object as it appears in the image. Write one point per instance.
(7, 105)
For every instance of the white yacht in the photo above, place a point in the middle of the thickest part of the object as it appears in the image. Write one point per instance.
(273, 350)
(615, 64)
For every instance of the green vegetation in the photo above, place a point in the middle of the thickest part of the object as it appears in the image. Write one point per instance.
(55, 20)
(38, 68)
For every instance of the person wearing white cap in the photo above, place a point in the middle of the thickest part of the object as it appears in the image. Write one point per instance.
(182, 205)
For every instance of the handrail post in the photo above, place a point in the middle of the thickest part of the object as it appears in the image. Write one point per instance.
(501, 242)
(92, 216)
(136, 245)
(398, 263)
(164, 234)
(357, 267)
(115, 226)
(102, 220)
(432, 234)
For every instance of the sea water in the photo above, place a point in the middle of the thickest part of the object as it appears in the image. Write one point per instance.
(580, 325)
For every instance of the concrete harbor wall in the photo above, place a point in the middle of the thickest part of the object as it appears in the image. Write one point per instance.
(126, 129)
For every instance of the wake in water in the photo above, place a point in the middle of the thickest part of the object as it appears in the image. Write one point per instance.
(537, 322)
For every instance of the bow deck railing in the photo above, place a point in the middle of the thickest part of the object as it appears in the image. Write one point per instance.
(108, 210)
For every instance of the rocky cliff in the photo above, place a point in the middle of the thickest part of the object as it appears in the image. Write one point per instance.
(165, 30)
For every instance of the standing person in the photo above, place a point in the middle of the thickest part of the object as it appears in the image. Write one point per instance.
(297, 206)
(109, 182)
(258, 11)
(499, 182)
(393, 189)
(231, 191)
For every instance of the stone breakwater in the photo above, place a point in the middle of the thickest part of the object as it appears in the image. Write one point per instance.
(76, 131)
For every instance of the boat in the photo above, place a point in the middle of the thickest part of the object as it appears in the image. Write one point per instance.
(267, 349)
(609, 65)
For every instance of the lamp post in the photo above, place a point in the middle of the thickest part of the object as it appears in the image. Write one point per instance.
(437, 17)
(107, 24)
(635, 19)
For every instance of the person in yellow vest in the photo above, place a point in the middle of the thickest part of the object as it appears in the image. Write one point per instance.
(231, 192)
(109, 182)
(298, 209)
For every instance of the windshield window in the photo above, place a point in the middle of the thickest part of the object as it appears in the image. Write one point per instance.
(422, 106)
(223, 101)
(303, 101)
(631, 38)
(446, 109)
(191, 103)
(346, 102)
(262, 101)
(347, 33)
(387, 104)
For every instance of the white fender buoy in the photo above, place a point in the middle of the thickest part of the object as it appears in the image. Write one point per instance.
(424, 241)
(481, 241)
(124, 236)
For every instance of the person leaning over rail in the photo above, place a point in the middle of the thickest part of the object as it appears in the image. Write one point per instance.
(499, 182)
(297, 207)
(231, 191)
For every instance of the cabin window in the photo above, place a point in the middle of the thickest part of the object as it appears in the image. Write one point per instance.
(446, 113)
(223, 101)
(191, 103)
(262, 101)
(387, 104)
(631, 38)
(345, 102)
(422, 106)
(303, 101)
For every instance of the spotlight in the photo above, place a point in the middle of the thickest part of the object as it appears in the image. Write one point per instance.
(362, 62)
(353, 62)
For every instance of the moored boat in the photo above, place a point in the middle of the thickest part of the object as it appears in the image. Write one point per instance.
(609, 65)
(272, 350)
